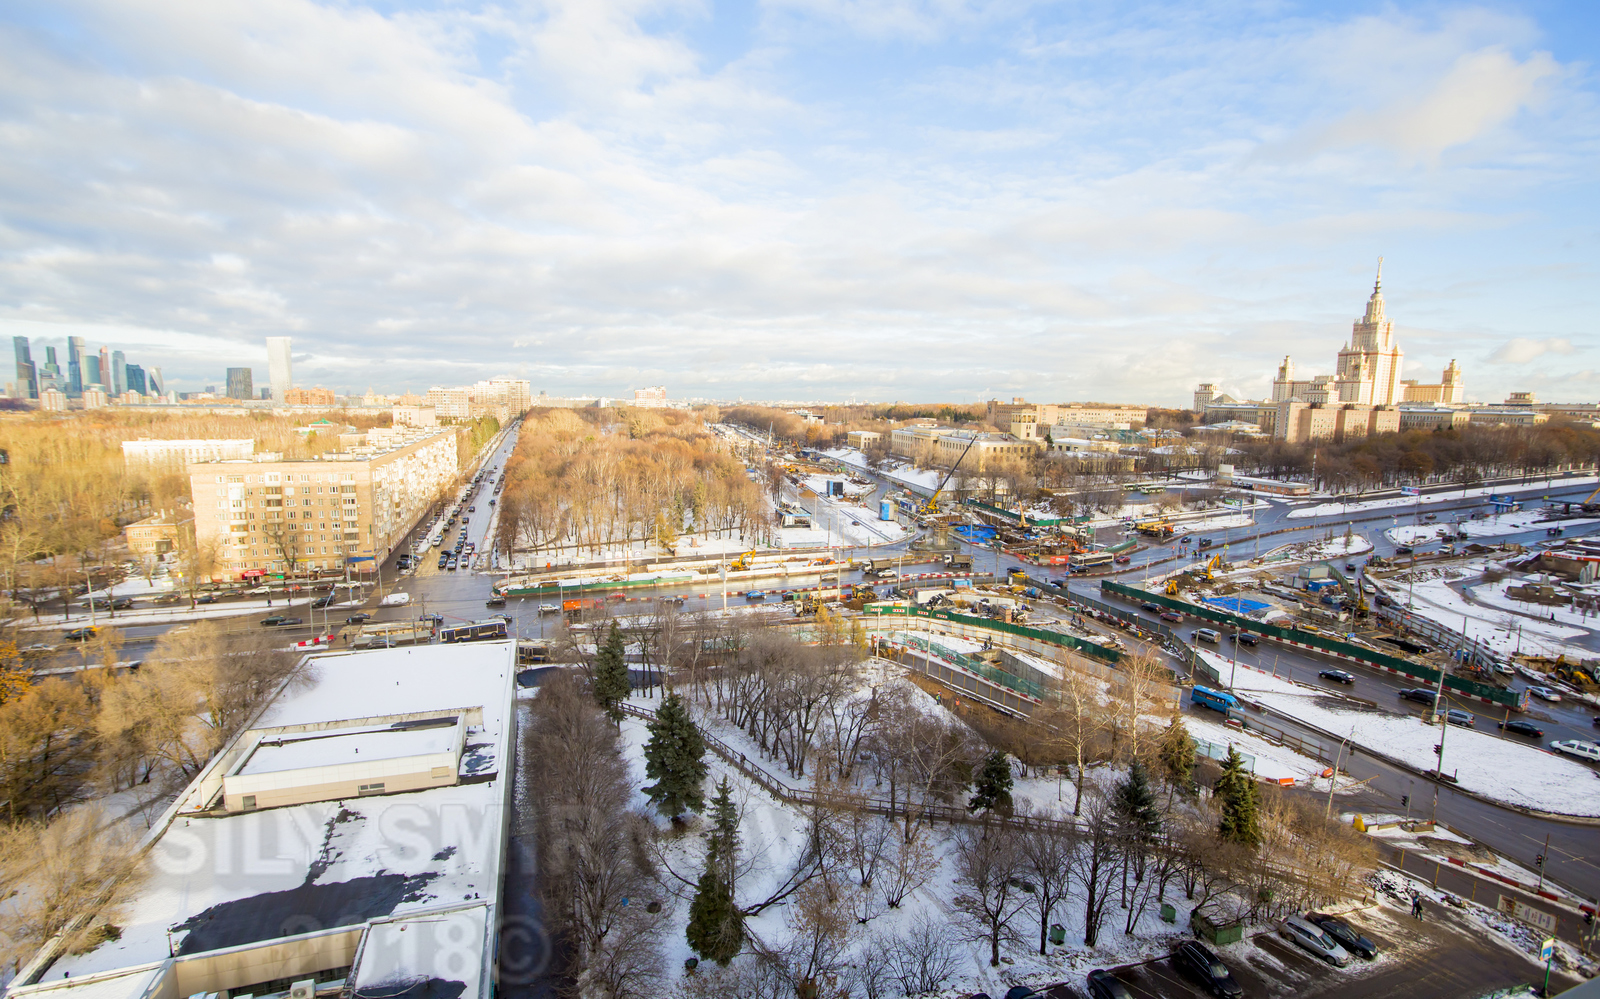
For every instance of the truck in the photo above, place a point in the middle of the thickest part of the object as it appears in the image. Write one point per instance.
(881, 567)
(581, 605)
(1153, 528)
(959, 563)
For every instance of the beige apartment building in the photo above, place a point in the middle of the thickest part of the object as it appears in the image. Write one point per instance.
(1029, 419)
(161, 452)
(944, 446)
(501, 398)
(287, 516)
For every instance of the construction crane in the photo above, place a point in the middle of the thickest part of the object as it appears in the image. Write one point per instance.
(932, 506)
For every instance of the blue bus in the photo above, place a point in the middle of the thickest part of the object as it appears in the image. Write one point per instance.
(1213, 699)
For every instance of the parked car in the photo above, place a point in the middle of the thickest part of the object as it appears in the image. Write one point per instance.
(1343, 932)
(1466, 719)
(1545, 694)
(1022, 992)
(1245, 638)
(81, 634)
(361, 617)
(1173, 616)
(1104, 985)
(1421, 695)
(279, 620)
(1337, 676)
(1193, 957)
(1521, 727)
(1577, 747)
(1314, 939)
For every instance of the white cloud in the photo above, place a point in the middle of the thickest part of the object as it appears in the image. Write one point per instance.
(1521, 350)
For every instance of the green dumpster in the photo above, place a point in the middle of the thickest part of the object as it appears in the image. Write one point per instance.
(1169, 914)
(1218, 933)
(1058, 934)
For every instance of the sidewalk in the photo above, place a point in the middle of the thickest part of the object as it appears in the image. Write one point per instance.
(178, 613)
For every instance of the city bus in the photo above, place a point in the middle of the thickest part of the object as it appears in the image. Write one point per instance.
(1084, 561)
(1216, 700)
(474, 631)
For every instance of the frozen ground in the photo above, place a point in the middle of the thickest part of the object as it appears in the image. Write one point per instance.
(1427, 589)
(1495, 595)
(1336, 547)
(1496, 526)
(1217, 523)
(1513, 772)
(1452, 496)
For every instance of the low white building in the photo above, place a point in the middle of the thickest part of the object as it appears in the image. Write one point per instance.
(152, 452)
(351, 839)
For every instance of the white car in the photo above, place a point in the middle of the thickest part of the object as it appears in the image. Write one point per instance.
(1577, 747)
(1545, 693)
(549, 609)
(1315, 939)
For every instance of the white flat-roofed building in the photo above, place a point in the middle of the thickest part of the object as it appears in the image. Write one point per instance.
(390, 884)
(152, 452)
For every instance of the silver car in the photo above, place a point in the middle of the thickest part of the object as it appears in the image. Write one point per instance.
(1315, 939)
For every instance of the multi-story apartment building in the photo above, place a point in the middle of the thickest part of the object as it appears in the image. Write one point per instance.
(307, 397)
(501, 398)
(298, 516)
(186, 452)
(1022, 413)
(414, 416)
(944, 446)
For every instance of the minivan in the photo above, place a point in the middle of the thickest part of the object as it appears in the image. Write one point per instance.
(1207, 635)
(1577, 747)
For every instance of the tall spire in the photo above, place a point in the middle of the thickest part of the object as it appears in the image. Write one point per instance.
(1377, 285)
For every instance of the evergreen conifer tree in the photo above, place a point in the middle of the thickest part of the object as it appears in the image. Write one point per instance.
(1237, 791)
(1136, 805)
(716, 924)
(611, 685)
(675, 759)
(992, 787)
(1177, 758)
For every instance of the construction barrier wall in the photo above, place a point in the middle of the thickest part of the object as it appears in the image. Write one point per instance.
(1322, 643)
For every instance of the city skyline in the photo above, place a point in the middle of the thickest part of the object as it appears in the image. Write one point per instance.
(789, 201)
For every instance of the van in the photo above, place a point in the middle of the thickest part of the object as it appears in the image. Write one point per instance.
(1577, 747)
(1207, 635)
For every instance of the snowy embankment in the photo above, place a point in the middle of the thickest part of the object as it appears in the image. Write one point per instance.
(1496, 526)
(1452, 496)
(1318, 551)
(1427, 591)
(1492, 767)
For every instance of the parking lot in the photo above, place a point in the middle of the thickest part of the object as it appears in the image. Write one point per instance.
(1443, 956)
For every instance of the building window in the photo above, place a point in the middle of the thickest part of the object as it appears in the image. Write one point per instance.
(363, 789)
(249, 802)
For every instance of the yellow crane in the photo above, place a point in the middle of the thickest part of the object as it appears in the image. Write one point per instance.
(932, 506)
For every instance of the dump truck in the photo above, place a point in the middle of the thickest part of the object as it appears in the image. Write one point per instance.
(959, 563)
(1153, 528)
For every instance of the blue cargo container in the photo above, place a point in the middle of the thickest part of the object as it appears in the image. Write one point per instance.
(886, 510)
(1213, 699)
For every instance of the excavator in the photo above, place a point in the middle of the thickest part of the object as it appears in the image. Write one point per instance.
(932, 506)
(743, 562)
(1207, 571)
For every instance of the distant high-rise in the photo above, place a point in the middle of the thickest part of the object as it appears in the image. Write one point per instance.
(91, 371)
(135, 375)
(239, 384)
(154, 382)
(27, 378)
(74, 366)
(105, 369)
(280, 369)
(119, 372)
(50, 374)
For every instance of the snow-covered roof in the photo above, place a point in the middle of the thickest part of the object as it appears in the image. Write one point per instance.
(220, 881)
(316, 750)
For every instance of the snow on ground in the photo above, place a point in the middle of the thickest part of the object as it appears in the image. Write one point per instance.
(1450, 496)
(1512, 772)
(166, 615)
(1318, 551)
(1427, 590)
(1217, 523)
(1495, 595)
(1273, 762)
(1496, 526)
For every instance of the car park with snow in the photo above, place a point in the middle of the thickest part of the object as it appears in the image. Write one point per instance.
(1315, 940)
(1193, 958)
(1345, 934)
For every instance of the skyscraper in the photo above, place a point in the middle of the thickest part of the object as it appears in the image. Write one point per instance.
(91, 371)
(74, 366)
(135, 376)
(105, 369)
(154, 382)
(50, 374)
(239, 386)
(27, 378)
(280, 370)
(119, 372)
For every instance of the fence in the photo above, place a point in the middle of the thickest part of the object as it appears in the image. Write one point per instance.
(1325, 644)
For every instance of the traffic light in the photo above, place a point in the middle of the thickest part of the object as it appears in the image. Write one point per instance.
(1539, 861)
(1405, 801)
(1438, 750)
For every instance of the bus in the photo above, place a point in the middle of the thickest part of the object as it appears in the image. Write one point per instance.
(1084, 561)
(474, 631)
(1216, 700)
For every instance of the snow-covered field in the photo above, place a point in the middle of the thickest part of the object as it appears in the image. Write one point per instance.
(1428, 590)
(1496, 526)
(1513, 772)
(1452, 496)
(1337, 547)
(1495, 595)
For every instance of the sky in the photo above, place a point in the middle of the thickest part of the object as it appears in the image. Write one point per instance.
(878, 200)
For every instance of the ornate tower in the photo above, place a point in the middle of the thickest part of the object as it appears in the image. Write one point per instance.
(1369, 367)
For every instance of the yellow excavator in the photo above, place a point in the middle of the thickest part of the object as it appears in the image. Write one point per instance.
(743, 562)
(1208, 570)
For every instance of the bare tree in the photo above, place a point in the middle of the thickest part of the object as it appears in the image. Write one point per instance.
(924, 957)
(1097, 858)
(989, 892)
(1048, 853)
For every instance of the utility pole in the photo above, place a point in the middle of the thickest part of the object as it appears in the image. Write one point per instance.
(1334, 779)
(1543, 859)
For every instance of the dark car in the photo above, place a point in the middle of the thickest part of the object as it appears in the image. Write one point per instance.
(361, 617)
(1523, 728)
(675, 600)
(206, 598)
(1421, 695)
(1402, 550)
(326, 601)
(122, 603)
(1337, 676)
(1193, 957)
(472, 509)
(1103, 985)
(1022, 992)
(81, 634)
(278, 620)
(495, 601)
(1245, 638)
(433, 619)
(1150, 607)
(1348, 938)
(1206, 542)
